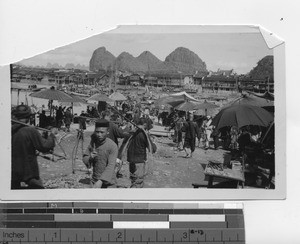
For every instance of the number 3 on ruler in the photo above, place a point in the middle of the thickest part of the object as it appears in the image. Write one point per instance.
(185, 235)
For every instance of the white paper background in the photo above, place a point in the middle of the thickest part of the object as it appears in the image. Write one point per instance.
(31, 27)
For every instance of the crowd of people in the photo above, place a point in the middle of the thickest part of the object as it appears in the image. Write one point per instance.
(102, 155)
(129, 122)
(60, 117)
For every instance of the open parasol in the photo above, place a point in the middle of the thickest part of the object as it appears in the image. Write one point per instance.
(242, 115)
(175, 99)
(100, 98)
(186, 106)
(204, 107)
(51, 94)
(267, 95)
(117, 96)
(254, 101)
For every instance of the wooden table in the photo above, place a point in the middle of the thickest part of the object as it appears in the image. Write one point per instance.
(213, 171)
(224, 173)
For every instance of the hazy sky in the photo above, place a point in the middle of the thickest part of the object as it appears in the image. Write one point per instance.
(238, 51)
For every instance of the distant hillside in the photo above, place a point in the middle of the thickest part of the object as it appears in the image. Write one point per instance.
(181, 59)
(57, 66)
(102, 59)
(127, 62)
(77, 66)
(186, 61)
(151, 62)
(263, 69)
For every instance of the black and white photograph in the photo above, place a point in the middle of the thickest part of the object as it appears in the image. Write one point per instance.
(142, 107)
(153, 102)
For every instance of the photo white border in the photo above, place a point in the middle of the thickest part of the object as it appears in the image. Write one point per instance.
(159, 194)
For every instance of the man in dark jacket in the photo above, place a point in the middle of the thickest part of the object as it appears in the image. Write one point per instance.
(26, 140)
(68, 119)
(192, 131)
(137, 154)
(59, 117)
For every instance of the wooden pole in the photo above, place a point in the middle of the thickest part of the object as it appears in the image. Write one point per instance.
(42, 129)
(21, 123)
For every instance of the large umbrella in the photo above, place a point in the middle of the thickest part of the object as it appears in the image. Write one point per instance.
(73, 99)
(204, 107)
(242, 115)
(117, 96)
(254, 101)
(100, 98)
(186, 106)
(266, 95)
(51, 94)
(175, 99)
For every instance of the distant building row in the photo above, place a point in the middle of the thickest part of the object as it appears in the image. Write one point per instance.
(224, 80)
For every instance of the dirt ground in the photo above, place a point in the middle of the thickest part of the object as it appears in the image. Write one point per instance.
(167, 168)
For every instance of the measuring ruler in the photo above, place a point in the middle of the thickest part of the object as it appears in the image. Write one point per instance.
(104, 222)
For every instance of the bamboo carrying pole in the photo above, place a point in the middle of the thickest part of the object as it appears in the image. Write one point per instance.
(22, 123)
(41, 129)
(148, 163)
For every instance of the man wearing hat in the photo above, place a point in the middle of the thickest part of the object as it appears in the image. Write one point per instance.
(137, 154)
(26, 140)
(101, 154)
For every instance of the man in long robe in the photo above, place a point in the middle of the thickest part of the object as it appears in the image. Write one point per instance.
(26, 140)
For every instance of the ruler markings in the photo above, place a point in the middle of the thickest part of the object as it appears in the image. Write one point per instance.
(140, 225)
(234, 223)
(176, 225)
